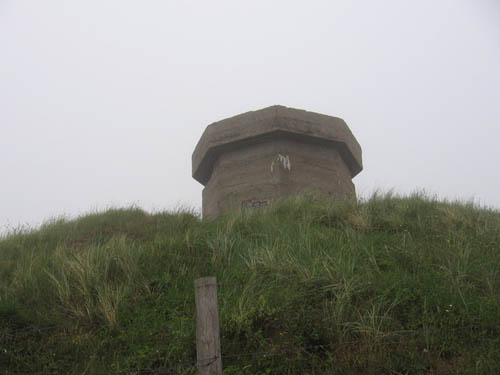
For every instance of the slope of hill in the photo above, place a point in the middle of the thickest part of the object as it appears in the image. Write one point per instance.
(388, 286)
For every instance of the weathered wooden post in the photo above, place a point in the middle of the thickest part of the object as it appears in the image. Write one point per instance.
(208, 354)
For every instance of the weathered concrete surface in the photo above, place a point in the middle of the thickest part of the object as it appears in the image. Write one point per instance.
(253, 158)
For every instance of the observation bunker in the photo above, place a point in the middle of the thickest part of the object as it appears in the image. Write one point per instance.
(256, 157)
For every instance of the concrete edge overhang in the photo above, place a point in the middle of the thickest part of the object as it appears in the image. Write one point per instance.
(271, 123)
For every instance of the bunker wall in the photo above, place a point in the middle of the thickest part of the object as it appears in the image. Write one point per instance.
(256, 174)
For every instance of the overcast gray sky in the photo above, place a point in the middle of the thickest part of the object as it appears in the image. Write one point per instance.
(102, 101)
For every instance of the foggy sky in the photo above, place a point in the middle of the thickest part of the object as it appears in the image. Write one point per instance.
(103, 102)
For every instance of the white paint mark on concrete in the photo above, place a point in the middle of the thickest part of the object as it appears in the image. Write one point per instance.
(285, 160)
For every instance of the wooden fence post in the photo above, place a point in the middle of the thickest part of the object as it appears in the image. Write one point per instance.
(208, 355)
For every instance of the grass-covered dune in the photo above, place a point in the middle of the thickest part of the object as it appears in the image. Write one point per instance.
(390, 285)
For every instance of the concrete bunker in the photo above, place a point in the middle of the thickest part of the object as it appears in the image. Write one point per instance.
(256, 157)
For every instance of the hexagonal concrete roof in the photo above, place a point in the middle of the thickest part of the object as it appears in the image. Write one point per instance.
(268, 123)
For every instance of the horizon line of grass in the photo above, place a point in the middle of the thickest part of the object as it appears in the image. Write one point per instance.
(25, 228)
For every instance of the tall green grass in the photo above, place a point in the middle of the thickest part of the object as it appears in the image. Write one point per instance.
(395, 285)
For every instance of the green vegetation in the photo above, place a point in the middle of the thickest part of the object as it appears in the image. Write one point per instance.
(390, 285)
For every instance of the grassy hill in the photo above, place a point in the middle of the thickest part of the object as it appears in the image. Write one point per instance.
(387, 286)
